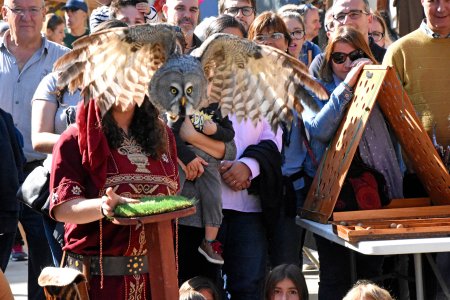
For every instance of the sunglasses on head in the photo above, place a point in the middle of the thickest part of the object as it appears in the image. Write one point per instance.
(340, 57)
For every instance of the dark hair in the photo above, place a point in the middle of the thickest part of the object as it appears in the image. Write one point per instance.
(146, 128)
(221, 23)
(286, 271)
(222, 5)
(291, 14)
(117, 4)
(199, 283)
(52, 21)
(350, 36)
(270, 20)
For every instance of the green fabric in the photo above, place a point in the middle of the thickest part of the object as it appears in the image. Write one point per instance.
(152, 206)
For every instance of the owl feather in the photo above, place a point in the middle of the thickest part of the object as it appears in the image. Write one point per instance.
(117, 66)
(254, 80)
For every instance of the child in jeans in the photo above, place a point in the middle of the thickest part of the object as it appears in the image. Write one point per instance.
(207, 186)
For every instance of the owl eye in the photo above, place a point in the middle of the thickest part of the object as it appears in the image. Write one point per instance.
(173, 91)
(189, 90)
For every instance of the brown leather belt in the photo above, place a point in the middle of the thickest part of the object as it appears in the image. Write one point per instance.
(112, 265)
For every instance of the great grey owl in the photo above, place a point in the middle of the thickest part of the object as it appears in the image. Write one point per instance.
(120, 65)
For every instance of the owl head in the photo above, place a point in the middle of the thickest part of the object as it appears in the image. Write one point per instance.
(179, 86)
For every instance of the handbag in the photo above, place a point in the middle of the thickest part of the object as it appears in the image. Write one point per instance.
(34, 191)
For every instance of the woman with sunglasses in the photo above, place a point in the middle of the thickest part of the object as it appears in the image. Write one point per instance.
(345, 56)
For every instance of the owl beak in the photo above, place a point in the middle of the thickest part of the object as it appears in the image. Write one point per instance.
(183, 101)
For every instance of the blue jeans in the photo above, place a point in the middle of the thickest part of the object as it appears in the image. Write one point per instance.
(39, 255)
(244, 241)
(55, 247)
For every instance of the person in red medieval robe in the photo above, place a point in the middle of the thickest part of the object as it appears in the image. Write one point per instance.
(103, 161)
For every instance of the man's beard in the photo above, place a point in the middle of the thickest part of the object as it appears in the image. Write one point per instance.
(186, 24)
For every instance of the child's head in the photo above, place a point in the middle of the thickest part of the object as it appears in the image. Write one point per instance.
(192, 295)
(367, 290)
(202, 285)
(286, 280)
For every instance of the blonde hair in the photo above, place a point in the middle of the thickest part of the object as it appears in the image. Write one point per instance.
(387, 38)
(367, 290)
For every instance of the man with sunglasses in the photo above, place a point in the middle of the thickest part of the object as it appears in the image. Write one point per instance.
(26, 57)
(243, 10)
(76, 14)
(354, 13)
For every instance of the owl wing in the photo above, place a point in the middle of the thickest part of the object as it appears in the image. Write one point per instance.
(116, 65)
(256, 81)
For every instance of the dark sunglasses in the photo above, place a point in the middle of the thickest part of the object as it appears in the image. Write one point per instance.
(340, 57)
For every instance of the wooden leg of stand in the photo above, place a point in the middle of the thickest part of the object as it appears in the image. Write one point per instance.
(161, 260)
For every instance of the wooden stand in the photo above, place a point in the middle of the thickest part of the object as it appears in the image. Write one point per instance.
(160, 251)
(379, 84)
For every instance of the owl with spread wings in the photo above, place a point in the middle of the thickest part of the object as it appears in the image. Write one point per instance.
(119, 65)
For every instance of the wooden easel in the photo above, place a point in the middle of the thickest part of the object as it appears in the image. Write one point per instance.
(379, 84)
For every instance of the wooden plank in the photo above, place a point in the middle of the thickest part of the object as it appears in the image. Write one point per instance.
(416, 143)
(387, 223)
(334, 166)
(354, 236)
(161, 260)
(409, 202)
(393, 213)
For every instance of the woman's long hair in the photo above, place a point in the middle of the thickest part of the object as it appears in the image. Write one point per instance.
(146, 128)
(387, 35)
(286, 271)
(348, 35)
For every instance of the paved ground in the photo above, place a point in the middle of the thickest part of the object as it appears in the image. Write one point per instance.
(16, 273)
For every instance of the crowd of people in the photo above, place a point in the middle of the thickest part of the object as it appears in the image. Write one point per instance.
(232, 247)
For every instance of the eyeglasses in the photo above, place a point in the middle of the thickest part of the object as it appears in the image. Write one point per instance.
(329, 27)
(376, 35)
(340, 57)
(353, 15)
(297, 34)
(274, 36)
(245, 10)
(33, 11)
